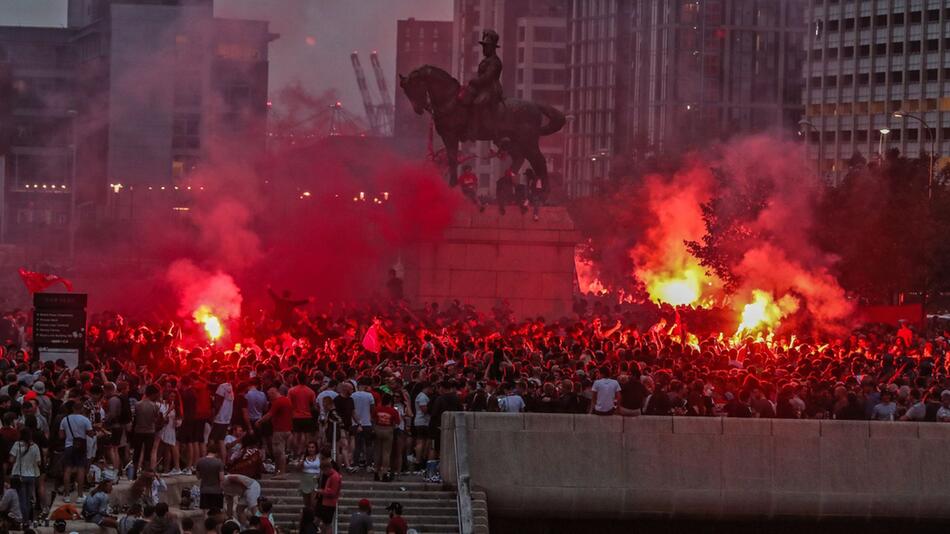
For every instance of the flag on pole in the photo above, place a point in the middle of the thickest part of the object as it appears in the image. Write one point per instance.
(371, 339)
(36, 282)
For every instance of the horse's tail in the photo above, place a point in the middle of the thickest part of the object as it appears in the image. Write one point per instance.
(556, 119)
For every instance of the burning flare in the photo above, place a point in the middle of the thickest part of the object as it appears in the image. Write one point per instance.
(764, 312)
(684, 288)
(210, 321)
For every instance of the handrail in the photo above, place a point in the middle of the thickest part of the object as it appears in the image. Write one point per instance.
(336, 516)
(462, 476)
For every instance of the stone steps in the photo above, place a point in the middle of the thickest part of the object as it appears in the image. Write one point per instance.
(428, 508)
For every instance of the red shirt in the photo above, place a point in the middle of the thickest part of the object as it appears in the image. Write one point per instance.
(397, 525)
(266, 526)
(302, 398)
(387, 416)
(281, 411)
(468, 179)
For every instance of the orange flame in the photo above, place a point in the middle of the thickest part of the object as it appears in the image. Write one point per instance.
(764, 312)
(678, 289)
(211, 323)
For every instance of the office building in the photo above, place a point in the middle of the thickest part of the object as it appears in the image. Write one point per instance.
(868, 61)
(131, 96)
(673, 75)
(418, 42)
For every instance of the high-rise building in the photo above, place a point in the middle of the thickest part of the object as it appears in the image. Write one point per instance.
(672, 75)
(868, 61)
(508, 17)
(132, 93)
(418, 42)
(598, 56)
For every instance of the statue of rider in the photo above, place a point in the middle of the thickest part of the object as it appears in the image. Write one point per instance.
(484, 91)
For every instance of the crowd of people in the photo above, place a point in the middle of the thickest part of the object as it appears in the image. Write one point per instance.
(363, 389)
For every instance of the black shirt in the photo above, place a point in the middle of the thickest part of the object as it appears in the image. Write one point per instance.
(449, 402)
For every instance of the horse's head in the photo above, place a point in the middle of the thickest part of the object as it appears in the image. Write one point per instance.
(415, 88)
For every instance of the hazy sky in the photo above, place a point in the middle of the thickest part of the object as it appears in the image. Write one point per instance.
(335, 27)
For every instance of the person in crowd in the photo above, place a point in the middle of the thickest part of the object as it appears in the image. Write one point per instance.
(210, 473)
(364, 404)
(73, 430)
(308, 521)
(26, 458)
(328, 494)
(384, 425)
(606, 393)
(163, 522)
(303, 401)
(95, 509)
(280, 417)
(397, 523)
(10, 509)
(310, 479)
(246, 490)
(361, 522)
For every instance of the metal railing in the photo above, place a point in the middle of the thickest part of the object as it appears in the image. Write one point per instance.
(462, 477)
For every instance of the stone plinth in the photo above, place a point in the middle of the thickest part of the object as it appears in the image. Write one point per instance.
(486, 258)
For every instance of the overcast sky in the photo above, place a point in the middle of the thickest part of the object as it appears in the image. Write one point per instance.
(335, 27)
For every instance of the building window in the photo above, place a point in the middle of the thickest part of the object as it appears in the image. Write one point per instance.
(933, 45)
(915, 17)
(880, 49)
(932, 75)
(861, 136)
(880, 21)
(897, 48)
(864, 22)
(186, 131)
(897, 19)
(849, 24)
(864, 50)
(847, 80)
(897, 77)
(915, 47)
(913, 76)
(521, 34)
(521, 55)
(847, 52)
(880, 77)
(933, 15)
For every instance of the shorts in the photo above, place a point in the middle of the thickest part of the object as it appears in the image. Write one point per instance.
(73, 457)
(250, 497)
(192, 431)
(115, 437)
(325, 513)
(305, 426)
(280, 440)
(219, 431)
(211, 500)
(421, 432)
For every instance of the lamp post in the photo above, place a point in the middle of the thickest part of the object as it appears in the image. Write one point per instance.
(930, 178)
(811, 128)
(880, 145)
(72, 186)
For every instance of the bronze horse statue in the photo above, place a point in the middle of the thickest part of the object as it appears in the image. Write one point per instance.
(516, 128)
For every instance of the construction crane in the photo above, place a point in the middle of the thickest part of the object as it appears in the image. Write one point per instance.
(371, 110)
(385, 110)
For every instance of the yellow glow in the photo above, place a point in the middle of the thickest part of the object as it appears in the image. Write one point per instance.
(212, 324)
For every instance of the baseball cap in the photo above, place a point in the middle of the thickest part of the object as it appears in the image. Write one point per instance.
(364, 504)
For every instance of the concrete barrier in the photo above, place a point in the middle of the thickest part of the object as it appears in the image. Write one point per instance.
(582, 466)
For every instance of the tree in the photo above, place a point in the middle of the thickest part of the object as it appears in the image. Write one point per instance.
(729, 231)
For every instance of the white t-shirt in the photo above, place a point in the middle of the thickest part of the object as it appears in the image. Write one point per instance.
(511, 404)
(421, 418)
(606, 389)
(363, 407)
(223, 416)
(79, 426)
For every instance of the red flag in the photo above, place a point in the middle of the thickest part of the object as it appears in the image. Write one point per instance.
(371, 340)
(36, 282)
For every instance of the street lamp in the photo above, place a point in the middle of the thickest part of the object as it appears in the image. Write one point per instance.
(804, 123)
(880, 145)
(930, 178)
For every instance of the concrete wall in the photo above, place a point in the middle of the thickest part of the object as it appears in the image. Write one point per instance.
(487, 257)
(577, 466)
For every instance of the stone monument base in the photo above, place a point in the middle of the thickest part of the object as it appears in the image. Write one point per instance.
(487, 258)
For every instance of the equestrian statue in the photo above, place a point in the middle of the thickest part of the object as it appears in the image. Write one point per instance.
(480, 112)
